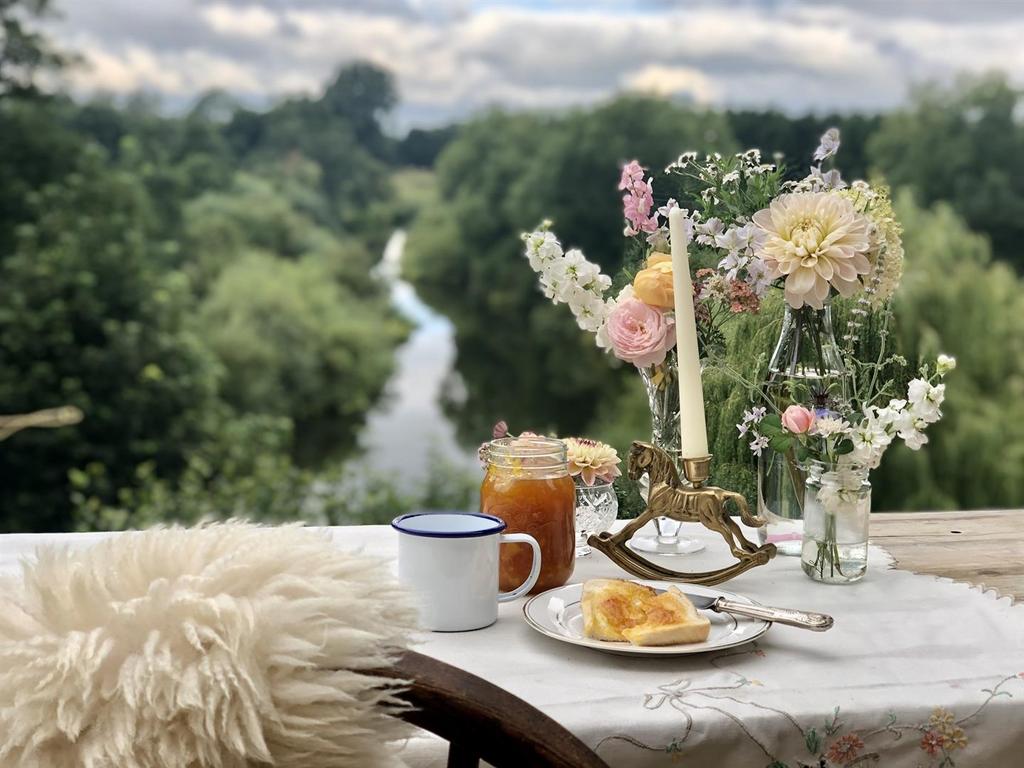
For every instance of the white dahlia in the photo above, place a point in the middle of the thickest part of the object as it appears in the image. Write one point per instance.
(817, 241)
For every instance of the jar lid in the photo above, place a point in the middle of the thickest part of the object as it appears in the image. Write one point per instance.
(527, 451)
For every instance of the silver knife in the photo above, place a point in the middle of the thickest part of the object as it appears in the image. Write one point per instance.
(816, 622)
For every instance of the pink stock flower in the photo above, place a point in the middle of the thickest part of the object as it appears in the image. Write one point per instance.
(632, 172)
(638, 200)
(640, 334)
(797, 419)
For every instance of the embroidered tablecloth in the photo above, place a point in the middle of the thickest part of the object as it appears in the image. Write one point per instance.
(918, 672)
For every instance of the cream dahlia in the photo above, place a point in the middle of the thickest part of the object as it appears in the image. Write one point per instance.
(591, 460)
(817, 241)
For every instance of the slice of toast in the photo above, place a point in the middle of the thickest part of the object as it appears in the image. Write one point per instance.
(671, 619)
(612, 605)
(619, 610)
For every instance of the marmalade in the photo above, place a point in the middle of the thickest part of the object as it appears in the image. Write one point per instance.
(528, 486)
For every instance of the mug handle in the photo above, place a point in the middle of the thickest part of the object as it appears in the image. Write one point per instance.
(526, 586)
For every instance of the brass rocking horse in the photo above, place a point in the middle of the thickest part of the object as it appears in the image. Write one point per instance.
(697, 502)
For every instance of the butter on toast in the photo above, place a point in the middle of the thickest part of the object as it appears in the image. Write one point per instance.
(619, 610)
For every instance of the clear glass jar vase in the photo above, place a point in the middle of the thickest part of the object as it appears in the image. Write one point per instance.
(837, 508)
(597, 506)
(806, 368)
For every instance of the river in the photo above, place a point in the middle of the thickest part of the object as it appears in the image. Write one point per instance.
(408, 423)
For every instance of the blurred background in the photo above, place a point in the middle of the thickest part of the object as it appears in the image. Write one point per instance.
(270, 247)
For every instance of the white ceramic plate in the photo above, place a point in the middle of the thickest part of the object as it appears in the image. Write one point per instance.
(557, 613)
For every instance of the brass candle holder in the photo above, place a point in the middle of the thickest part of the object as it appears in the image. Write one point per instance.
(692, 502)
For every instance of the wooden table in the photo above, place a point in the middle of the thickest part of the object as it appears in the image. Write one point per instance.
(984, 548)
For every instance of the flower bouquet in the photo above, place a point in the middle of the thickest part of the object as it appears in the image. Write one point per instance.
(816, 241)
(837, 449)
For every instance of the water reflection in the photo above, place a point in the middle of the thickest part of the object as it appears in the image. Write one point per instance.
(408, 424)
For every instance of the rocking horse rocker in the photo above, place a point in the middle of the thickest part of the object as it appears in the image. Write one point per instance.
(670, 497)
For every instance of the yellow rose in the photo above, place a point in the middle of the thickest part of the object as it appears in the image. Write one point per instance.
(657, 257)
(653, 285)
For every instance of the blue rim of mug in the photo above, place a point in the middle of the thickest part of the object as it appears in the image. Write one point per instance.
(498, 526)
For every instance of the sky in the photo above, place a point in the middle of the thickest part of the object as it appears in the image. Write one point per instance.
(452, 58)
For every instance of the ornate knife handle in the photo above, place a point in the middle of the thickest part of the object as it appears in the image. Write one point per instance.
(816, 622)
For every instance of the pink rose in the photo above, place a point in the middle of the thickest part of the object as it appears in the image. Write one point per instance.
(640, 334)
(798, 419)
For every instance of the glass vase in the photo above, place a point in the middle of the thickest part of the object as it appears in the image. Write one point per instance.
(837, 506)
(806, 368)
(662, 385)
(597, 506)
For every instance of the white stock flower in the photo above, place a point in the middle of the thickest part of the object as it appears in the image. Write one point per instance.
(732, 240)
(945, 364)
(732, 264)
(709, 230)
(758, 278)
(828, 146)
(925, 400)
(542, 248)
(588, 308)
(911, 430)
(888, 415)
(869, 442)
(818, 181)
(827, 426)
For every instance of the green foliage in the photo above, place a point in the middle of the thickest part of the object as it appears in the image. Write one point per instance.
(295, 342)
(23, 50)
(339, 131)
(87, 321)
(209, 307)
(964, 145)
(955, 299)
(421, 147)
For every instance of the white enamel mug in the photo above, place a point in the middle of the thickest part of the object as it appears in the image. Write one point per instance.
(450, 562)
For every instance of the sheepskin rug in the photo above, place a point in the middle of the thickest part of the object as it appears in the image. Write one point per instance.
(226, 645)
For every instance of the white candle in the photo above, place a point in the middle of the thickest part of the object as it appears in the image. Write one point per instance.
(692, 427)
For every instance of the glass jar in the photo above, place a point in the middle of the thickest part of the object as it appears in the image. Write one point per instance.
(806, 368)
(837, 508)
(528, 486)
(597, 506)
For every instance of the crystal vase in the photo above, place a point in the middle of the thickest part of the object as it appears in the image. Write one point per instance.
(837, 508)
(662, 385)
(807, 368)
(597, 506)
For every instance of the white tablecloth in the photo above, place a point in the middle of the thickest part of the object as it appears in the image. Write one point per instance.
(917, 670)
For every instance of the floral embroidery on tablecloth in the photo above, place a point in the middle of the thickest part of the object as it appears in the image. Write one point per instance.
(832, 744)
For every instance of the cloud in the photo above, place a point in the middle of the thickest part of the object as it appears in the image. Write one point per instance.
(451, 57)
(673, 81)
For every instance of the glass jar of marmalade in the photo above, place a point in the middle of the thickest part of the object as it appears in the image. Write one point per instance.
(528, 486)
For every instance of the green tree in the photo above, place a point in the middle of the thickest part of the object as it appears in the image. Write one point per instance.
(955, 299)
(297, 343)
(88, 321)
(963, 145)
(340, 132)
(24, 51)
